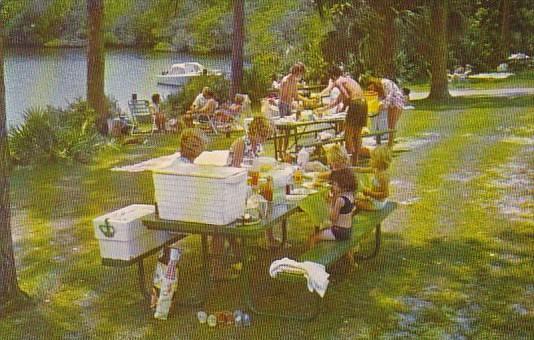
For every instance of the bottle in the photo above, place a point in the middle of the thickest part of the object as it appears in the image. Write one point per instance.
(268, 189)
(168, 286)
(303, 157)
(297, 176)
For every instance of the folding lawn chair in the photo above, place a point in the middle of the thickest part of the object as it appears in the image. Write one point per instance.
(140, 114)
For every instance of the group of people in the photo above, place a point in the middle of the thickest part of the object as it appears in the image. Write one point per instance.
(350, 99)
(204, 105)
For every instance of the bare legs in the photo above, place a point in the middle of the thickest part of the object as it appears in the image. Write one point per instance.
(394, 114)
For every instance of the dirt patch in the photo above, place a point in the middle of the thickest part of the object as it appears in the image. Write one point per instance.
(516, 185)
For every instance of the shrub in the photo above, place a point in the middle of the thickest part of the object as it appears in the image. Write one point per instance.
(53, 134)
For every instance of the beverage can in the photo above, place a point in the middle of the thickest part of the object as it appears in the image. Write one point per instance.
(246, 320)
(212, 320)
(202, 317)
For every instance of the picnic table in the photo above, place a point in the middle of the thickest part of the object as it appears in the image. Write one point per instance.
(278, 213)
(293, 132)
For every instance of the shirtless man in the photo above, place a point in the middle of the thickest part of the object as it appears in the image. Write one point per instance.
(289, 90)
(351, 95)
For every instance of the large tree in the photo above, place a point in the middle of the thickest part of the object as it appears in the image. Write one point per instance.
(505, 29)
(96, 97)
(237, 47)
(9, 289)
(439, 50)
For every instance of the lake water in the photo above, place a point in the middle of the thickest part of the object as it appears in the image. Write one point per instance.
(40, 77)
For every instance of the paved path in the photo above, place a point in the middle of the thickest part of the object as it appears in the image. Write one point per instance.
(506, 92)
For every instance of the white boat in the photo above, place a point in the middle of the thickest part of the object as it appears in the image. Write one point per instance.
(179, 74)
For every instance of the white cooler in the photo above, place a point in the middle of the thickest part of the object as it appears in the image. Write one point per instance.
(122, 236)
(201, 193)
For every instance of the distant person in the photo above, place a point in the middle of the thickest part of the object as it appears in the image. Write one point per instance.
(157, 112)
(289, 89)
(201, 99)
(275, 84)
(392, 100)
(206, 105)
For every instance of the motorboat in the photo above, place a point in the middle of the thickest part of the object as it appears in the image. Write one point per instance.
(179, 74)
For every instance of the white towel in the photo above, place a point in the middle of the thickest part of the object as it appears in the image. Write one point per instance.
(151, 164)
(217, 158)
(315, 273)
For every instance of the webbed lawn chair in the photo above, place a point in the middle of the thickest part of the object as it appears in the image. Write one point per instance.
(140, 115)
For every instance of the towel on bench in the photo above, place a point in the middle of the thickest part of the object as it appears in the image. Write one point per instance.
(314, 273)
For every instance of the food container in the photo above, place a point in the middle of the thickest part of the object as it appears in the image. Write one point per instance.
(372, 102)
(122, 235)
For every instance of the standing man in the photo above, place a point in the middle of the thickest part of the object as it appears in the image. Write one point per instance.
(289, 90)
(289, 93)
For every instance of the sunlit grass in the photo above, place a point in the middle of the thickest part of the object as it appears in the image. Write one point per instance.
(447, 254)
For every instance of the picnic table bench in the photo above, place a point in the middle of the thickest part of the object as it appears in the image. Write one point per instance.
(329, 252)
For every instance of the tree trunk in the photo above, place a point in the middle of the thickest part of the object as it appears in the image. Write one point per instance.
(9, 289)
(505, 29)
(237, 48)
(439, 50)
(389, 45)
(96, 97)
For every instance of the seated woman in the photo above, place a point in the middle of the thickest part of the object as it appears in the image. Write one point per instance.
(228, 113)
(208, 108)
(250, 146)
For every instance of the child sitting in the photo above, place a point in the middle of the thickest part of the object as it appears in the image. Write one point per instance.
(341, 207)
(337, 158)
(375, 197)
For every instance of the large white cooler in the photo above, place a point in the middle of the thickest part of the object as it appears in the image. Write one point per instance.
(201, 193)
(122, 235)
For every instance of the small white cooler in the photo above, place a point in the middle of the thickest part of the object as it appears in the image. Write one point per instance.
(201, 193)
(122, 235)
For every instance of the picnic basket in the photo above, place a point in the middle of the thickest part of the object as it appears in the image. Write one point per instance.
(201, 193)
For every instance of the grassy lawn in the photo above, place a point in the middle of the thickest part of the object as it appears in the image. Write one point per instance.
(456, 260)
(521, 79)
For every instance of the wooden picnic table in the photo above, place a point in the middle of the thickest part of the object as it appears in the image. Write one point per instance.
(278, 212)
(292, 132)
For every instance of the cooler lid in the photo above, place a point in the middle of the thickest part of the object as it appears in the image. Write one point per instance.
(129, 213)
(206, 171)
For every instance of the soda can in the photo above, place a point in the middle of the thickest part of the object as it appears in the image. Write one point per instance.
(246, 320)
(202, 317)
(212, 320)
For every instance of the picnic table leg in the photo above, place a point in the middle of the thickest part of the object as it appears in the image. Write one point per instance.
(276, 146)
(248, 289)
(378, 239)
(141, 277)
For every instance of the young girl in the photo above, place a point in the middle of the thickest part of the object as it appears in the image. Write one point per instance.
(341, 207)
(375, 197)
(337, 158)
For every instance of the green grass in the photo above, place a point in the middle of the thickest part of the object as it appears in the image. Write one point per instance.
(443, 269)
(520, 79)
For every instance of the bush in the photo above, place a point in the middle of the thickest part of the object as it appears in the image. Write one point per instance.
(52, 134)
(181, 101)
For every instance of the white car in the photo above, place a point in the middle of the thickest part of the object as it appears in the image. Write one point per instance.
(179, 74)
